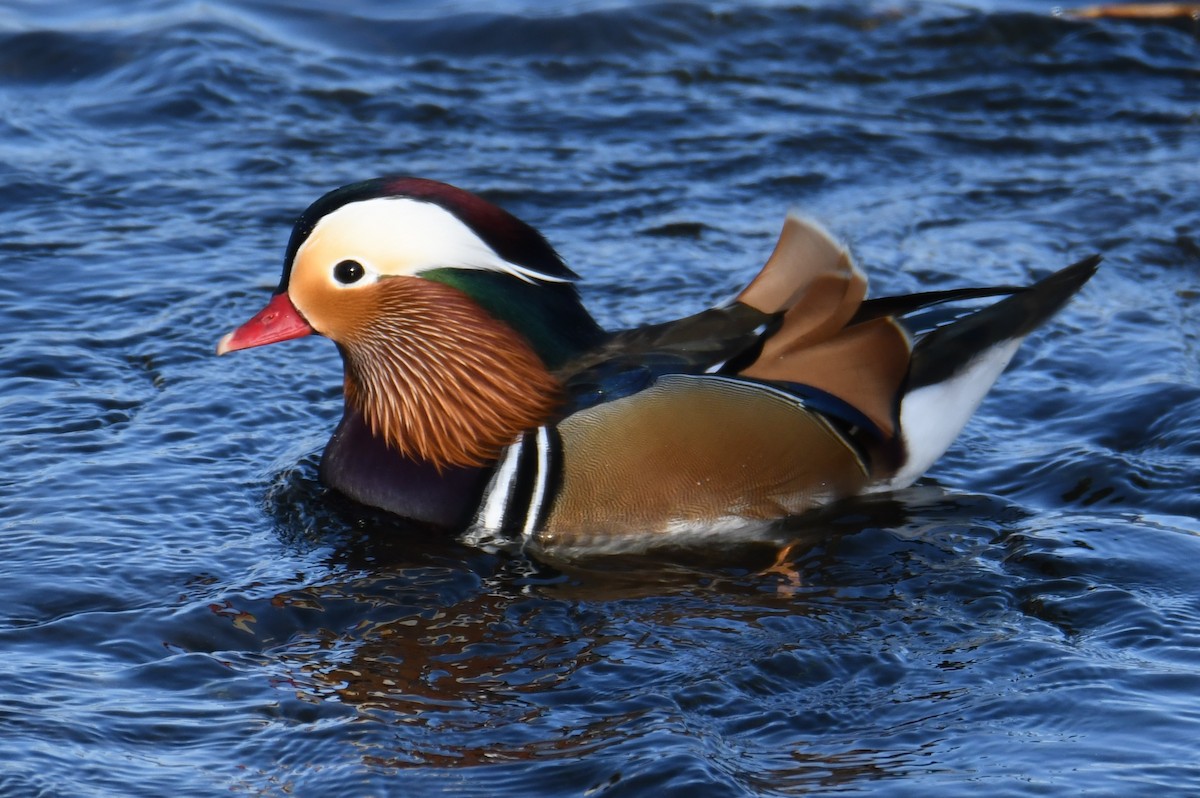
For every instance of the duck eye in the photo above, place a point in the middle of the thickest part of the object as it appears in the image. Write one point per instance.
(348, 271)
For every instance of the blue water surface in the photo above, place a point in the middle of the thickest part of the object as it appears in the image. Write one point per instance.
(185, 612)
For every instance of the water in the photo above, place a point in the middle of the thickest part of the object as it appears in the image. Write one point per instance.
(186, 613)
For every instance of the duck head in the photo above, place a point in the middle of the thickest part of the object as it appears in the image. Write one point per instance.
(450, 315)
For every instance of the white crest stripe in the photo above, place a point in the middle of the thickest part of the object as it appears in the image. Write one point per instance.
(405, 236)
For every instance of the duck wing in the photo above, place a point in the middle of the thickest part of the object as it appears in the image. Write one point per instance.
(806, 293)
(631, 360)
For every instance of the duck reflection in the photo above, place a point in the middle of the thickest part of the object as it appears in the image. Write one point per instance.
(454, 656)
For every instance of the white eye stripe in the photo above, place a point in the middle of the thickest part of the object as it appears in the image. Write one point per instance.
(399, 236)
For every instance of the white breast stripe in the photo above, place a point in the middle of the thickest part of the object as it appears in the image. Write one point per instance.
(539, 487)
(500, 488)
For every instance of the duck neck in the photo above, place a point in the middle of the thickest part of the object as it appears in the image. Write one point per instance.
(440, 381)
(549, 316)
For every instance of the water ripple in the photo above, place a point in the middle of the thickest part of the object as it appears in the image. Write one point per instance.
(189, 612)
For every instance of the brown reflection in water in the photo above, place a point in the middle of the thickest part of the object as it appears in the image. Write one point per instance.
(451, 676)
(452, 667)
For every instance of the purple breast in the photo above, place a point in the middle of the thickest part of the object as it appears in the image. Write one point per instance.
(361, 466)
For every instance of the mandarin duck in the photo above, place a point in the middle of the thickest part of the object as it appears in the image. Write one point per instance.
(481, 396)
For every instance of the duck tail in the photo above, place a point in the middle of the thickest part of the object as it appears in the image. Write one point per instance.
(955, 366)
